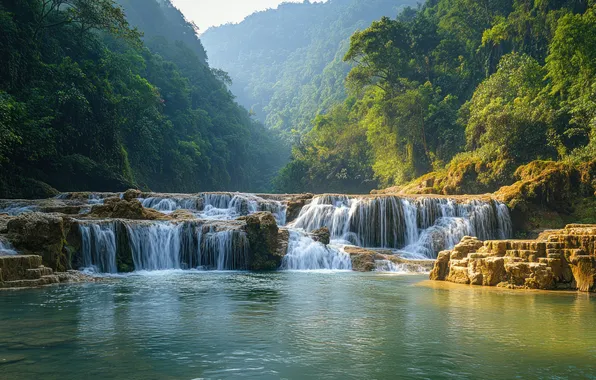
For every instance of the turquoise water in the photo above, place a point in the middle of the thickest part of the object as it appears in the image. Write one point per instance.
(293, 325)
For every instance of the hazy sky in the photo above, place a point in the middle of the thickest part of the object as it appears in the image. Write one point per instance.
(206, 13)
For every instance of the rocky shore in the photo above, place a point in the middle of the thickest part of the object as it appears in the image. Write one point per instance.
(562, 259)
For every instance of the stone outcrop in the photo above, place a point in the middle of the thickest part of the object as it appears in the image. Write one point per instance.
(266, 241)
(365, 260)
(26, 271)
(125, 209)
(322, 235)
(41, 234)
(558, 259)
(295, 204)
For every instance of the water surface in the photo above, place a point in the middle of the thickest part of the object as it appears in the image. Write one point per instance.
(292, 325)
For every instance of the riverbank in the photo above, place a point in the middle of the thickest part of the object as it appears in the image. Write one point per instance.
(557, 260)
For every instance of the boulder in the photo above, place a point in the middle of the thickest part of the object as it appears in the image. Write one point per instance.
(264, 238)
(458, 274)
(322, 235)
(131, 194)
(363, 260)
(584, 272)
(123, 209)
(41, 234)
(488, 271)
(440, 270)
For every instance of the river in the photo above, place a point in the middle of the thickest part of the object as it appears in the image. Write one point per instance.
(292, 325)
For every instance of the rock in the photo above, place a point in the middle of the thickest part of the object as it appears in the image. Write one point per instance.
(558, 259)
(363, 263)
(284, 240)
(458, 274)
(295, 204)
(182, 215)
(322, 235)
(440, 270)
(264, 238)
(363, 260)
(584, 272)
(488, 271)
(468, 244)
(123, 209)
(41, 234)
(16, 267)
(26, 271)
(131, 194)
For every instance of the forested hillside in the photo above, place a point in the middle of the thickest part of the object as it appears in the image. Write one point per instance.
(468, 90)
(286, 64)
(88, 103)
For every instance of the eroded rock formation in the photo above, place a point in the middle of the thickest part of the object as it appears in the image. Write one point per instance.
(26, 271)
(558, 259)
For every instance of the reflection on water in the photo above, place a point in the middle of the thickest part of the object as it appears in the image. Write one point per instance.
(175, 325)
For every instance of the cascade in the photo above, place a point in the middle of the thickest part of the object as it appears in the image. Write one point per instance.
(162, 245)
(217, 206)
(168, 205)
(306, 254)
(390, 266)
(6, 248)
(224, 250)
(99, 246)
(420, 227)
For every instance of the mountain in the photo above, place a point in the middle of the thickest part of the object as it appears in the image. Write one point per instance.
(286, 64)
(96, 95)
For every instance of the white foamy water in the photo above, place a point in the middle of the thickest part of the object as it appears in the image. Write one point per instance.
(422, 227)
(6, 249)
(306, 254)
(416, 228)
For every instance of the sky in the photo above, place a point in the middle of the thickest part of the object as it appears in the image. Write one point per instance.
(207, 13)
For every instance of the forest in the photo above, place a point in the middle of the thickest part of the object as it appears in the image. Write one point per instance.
(366, 94)
(287, 64)
(104, 96)
(456, 88)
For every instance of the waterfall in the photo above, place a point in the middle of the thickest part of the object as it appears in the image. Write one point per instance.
(421, 227)
(99, 247)
(224, 250)
(168, 205)
(6, 248)
(217, 206)
(306, 254)
(162, 245)
(390, 266)
(155, 246)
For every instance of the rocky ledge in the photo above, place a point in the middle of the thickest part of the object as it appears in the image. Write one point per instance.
(557, 260)
(27, 271)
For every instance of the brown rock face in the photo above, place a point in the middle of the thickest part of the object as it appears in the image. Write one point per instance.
(294, 206)
(26, 271)
(123, 209)
(266, 247)
(363, 260)
(558, 259)
(41, 234)
(322, 235)
(441, 269)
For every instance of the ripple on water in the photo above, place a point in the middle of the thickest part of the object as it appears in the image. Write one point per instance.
(323, 325)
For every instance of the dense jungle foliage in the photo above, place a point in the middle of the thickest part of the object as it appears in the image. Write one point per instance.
(287, 64)
(468, 89)
(96, 95)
